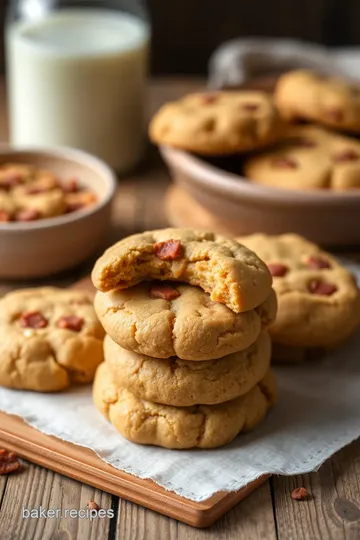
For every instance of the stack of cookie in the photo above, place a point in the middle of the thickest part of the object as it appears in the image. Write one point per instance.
(187, 356)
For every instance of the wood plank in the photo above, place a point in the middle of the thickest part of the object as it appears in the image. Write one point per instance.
(84, 465)
(241, 523)
(333, 510)
(34, 487)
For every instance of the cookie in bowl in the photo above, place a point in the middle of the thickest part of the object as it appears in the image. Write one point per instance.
(55, 209)
(50, 339)
(318, 298)
(328, 100)
(309, 157)
(218, 123)
(29, 194)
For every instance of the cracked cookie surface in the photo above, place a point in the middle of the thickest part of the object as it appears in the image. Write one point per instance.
(222, 267)
(179, 383)
(200, 426)
(332, 101)
(189, 325)
(50, 338)
(217, 123)
(308, 157)
(318, 298)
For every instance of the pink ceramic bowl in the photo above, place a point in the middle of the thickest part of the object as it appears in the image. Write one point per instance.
(325, 217)
(44, 247)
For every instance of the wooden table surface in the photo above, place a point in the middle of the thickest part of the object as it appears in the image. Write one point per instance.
(333, 511)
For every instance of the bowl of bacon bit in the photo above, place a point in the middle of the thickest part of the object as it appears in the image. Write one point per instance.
(55, 209)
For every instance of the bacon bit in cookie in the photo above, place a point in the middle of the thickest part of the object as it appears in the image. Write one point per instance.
(92, 505)
(71, 185)
(277, 269)
(33, 319)
(164, 291)
(322, 287)
(29, 214)
(9, 462)
(346, 155)
(283, 162)
(71, 322)
(4, 216)
(169, 250)
(208, 99)
(317, 263)
(336, 114)
(251, 107)
(299, 494)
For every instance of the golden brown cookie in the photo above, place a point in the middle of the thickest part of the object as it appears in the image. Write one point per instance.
(180, 383)
(166, 319)
(318, 299)
(222, 267)
(50, 338)
(217, 122)
(332, 101)
(308, 157)
(200, 426)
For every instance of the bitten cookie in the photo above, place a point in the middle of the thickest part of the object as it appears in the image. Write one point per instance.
(179, 383)
(163, 319)
(50, 338)
(308, 157)
(218, 122)
(331, 101)
(222, 267)
(200, 426)
(318, 299)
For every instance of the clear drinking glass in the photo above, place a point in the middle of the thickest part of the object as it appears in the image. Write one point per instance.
(77, 73)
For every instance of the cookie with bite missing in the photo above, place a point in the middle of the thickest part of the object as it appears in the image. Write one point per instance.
(318, 298)
(218, 123)
(222, 267)
(309, 158)
(50, 338)
(329, 100)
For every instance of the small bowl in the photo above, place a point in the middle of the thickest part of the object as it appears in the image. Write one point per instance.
(325, 217)
(47, 246)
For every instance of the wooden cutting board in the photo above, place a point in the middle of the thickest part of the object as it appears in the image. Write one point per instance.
(85, 466)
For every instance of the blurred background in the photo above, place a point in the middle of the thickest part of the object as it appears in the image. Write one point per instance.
(185, 32)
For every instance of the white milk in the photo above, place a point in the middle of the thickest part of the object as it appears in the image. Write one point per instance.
(78, 78)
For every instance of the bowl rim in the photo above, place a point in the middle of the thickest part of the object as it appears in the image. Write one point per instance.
(237, 186)
(73, 154)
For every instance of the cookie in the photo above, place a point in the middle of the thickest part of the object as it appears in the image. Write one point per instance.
(45, 204)
(180, 383)
(318, 299)
(200, 426)
(218, 122)
(225, 269)
(28, 194)
(308, 158)
(165, 319)
(50, 338)
(332, 101)
(7, 207)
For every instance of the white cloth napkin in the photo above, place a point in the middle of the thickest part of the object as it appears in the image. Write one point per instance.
(317, 414)
(240, 60)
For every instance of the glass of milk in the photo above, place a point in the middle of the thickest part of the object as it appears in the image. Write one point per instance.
(77, 75)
